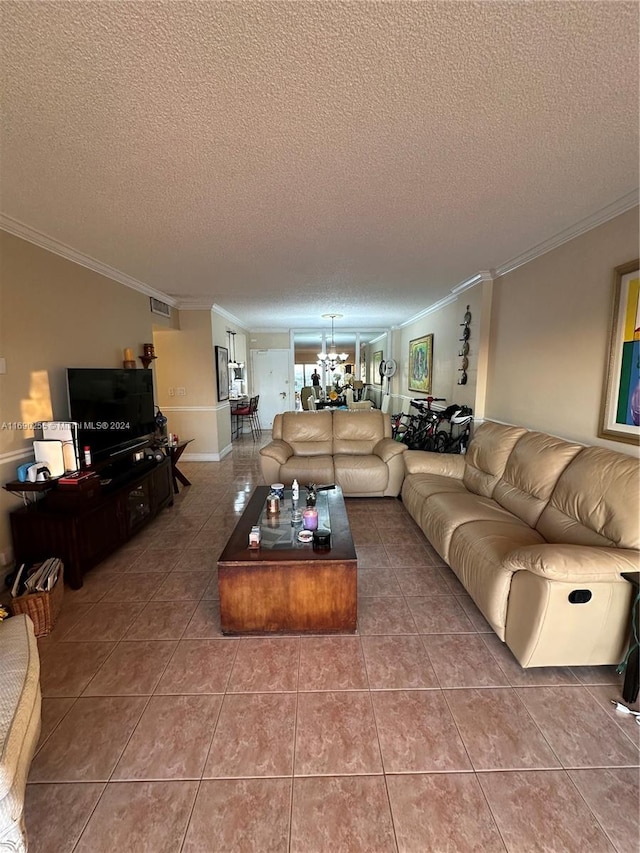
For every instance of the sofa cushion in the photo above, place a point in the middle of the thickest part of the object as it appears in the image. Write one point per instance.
(596, 501)
(357, 433)
(477, 554)
(531, 473)
(361, 475)
(308, 469)
(487, 456)
(307, 433)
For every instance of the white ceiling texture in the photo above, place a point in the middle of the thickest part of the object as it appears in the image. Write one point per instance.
(284, 160)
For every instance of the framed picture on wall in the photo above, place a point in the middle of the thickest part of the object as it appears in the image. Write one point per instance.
(620, 409)
(363, 365)
(421, 364)
(377, 361)
(222, 372)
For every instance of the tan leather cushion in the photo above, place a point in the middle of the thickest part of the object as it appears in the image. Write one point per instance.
(531, 473)
(444, 512)
(487, 456)
(596, 501)
(360, 474)
(308, 433)
(476, 554)
(357, 433)
(308, 469)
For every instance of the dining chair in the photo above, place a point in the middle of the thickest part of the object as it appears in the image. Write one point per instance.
(246, 412)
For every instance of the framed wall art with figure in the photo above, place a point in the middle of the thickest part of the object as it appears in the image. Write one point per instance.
(620, 410)
(222, 372)
(421, 364)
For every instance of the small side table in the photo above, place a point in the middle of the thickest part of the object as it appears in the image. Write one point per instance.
(175, 451)
(632, 674)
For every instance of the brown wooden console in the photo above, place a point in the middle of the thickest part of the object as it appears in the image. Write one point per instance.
(83, 528)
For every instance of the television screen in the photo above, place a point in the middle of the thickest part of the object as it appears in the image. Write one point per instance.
(113, 407)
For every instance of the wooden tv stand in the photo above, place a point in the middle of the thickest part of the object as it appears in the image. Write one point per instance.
(83, 528)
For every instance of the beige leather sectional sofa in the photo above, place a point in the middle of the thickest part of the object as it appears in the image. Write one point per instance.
(20, 706)
(538, 531)
(354, 450)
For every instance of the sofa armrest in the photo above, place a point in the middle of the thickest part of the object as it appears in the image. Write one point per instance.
(387, 448)
(573, 563)
(278, 450)
(424, 462)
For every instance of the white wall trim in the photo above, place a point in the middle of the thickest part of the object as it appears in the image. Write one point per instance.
(612, 210)
(219, 408)
(207, 457)
(227, 315)
(15, 455)
(19, 229)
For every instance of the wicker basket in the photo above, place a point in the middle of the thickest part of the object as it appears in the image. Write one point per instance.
(42, 607)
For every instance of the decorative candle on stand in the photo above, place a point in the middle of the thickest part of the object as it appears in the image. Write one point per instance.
(310, 519)
(129, 360)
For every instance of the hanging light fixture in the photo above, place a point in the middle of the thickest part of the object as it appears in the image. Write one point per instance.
(233, 364)
(331, 359)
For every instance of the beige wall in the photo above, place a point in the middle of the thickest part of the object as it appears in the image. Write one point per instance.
(550, 334)
(54, 314)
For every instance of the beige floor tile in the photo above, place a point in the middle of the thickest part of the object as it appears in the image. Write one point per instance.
(265, 665)
(135, 586)
(541, 810)
(439, 614)
(134, 667)
(196, 560)
(442, 811)
(181, 586)
(56, 814)
(579, 730)
(385, 615)
(336, 734)
(417, 732)
(463, 660)
(67, 668)
(537, 676)
(205, 621)
(497, 731)
(139, 817)
(372, 557)
(155, 560)
(199, 666)
(331, 663)
(254, 736)
(348, 813)
(240, 815)
(87, 744)
(172, 738)
(613, 795)
(421, 580)
(161, 621)
(374, 582)
(106, 620)
(397, 662)
(53, 710)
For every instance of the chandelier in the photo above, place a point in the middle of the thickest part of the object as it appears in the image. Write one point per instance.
(331, 359)
(233, 364)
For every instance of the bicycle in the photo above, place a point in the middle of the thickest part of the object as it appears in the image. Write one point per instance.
(417, 431)
(448, 442)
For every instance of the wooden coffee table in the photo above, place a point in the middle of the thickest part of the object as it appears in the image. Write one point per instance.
(286, 586)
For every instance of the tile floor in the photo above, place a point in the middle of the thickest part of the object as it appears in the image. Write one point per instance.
(420, 733)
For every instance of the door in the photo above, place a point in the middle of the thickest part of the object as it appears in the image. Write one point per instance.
(271, 370)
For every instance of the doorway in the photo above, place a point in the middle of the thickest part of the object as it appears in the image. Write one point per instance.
(271, 372)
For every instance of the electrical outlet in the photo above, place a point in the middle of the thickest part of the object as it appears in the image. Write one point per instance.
(171, 392)
(181, 392)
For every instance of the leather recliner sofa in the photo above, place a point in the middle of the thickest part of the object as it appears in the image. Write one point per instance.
(538, 530)
(354, 450)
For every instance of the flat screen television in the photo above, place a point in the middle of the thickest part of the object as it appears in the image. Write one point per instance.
(113, 407)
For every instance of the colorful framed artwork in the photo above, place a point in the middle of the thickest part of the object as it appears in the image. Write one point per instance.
(222, 372)
(620, 409)
(421, 364)
(377, 361)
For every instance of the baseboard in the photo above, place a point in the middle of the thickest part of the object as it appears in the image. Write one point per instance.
(206, 457)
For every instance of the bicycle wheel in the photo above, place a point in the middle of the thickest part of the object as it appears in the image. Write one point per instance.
(441, 442)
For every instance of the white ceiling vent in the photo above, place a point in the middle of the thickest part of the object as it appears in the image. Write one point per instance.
(158, 307)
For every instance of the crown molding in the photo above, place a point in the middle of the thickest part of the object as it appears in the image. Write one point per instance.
(616, 208)
(19, 229)
(222, 312)
(442, 303)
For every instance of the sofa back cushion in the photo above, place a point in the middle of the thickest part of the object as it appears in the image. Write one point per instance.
(596, 501)
(487, 456)
(531, 473)
(308, 433)
(357, 433)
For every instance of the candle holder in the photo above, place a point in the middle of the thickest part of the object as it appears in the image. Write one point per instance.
(129, 365)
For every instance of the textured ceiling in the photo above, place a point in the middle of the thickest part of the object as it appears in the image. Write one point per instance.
(287, 159)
